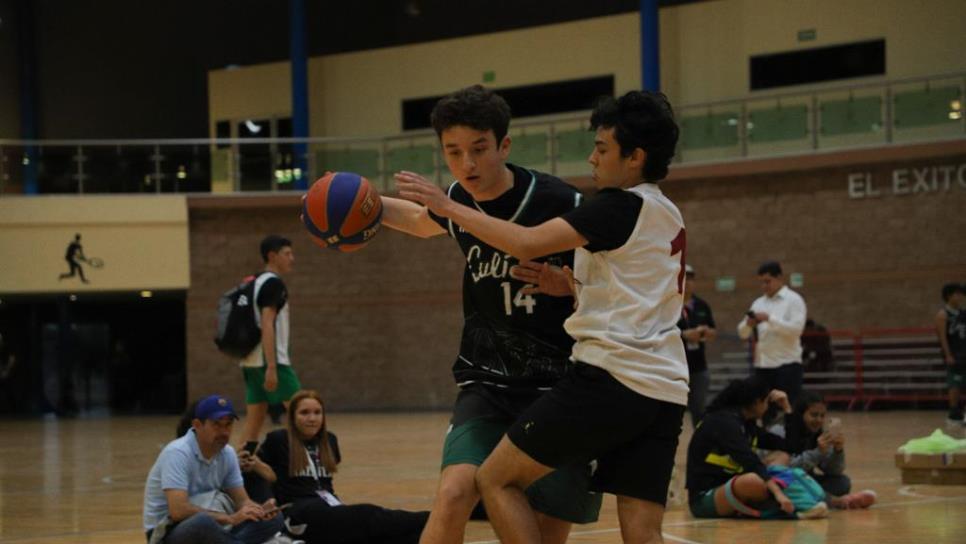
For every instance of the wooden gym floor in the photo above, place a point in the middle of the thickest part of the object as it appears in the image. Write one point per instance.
(82, 481)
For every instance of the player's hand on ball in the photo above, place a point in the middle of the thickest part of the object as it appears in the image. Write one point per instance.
(543, 278)
(415, 187)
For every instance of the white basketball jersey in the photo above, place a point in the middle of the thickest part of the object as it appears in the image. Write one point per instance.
(629, 302)
(256, 358)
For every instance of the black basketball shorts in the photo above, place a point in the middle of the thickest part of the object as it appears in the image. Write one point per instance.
(589, 415)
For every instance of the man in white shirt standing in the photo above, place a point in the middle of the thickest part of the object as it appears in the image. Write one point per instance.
(776, 320)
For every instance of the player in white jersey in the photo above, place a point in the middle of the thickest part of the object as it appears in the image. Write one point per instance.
(623, 401)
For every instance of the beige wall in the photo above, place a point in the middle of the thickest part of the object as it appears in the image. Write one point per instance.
(379, 80)
(705, 48)
(361, 94)
(142, 240)
(253, 92)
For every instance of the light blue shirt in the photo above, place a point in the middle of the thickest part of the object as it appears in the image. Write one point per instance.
(181, 466)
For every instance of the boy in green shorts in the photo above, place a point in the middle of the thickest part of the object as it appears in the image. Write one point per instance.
(268, 373)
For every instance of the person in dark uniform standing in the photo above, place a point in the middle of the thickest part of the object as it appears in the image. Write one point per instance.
(697, 327)
(951, 329)
(513, 346)
(75, 253)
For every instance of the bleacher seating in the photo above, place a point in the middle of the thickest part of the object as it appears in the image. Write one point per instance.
(867, 367)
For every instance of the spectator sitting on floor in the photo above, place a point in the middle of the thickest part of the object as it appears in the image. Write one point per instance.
(819, 451)
(257, 488)
(725, 477)
(299, 461)
(194, 492)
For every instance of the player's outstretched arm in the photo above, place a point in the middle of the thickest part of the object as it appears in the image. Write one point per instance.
(524, 243)
(408, 217)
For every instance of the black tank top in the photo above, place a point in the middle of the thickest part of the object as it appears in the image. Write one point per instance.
(512, 340)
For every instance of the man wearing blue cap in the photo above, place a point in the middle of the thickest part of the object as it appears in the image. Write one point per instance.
(186, 497)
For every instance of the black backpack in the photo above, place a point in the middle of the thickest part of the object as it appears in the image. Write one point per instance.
(238, 331)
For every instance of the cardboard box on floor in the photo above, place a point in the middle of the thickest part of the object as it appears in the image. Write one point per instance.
(933, 469)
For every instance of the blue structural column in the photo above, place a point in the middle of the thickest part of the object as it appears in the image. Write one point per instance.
(300, 91)
(28, 93)
(650, 46)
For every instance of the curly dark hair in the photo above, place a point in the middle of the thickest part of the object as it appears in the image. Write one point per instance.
(475, 107)
(641, 119)
(740, 394)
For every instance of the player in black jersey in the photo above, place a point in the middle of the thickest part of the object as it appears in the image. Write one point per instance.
(951, 329)
(513, 346)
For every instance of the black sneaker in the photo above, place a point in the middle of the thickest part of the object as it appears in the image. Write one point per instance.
(955, 416)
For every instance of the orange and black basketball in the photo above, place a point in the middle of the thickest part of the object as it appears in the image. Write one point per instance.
(342, 211)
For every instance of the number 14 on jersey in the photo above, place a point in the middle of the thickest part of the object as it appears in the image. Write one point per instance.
(519, 300)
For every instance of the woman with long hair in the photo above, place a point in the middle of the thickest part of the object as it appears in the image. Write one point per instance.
(819, 450)
(299, 462)
(725, 477)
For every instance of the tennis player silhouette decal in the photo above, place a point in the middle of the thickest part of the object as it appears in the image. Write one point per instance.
(75, 256)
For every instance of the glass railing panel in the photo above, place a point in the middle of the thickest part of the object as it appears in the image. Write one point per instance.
(530, 147)
(11, 169)
(850, 118)
(418, 154)
(776, 126)
(363, 158)
(709, 132)
(119, 169)
(928, 110)
(55, 168)
(185, 168)
(573, 141)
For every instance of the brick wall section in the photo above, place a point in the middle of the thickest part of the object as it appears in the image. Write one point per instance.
(378, 329)
(875, 262)
(375, 329)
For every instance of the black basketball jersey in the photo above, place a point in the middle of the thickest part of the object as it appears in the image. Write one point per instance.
(512, 340)
(956, 333)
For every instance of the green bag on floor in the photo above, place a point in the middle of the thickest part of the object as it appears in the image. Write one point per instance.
(937, 442)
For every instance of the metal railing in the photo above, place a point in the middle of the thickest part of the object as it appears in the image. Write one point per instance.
(826, 117)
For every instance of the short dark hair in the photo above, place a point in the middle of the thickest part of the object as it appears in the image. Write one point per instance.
(772, 268)
(273, 243)
(641, 119)
(475, 107)
(952, 288)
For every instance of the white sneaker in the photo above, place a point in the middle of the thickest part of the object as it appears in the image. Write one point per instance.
(820, 510)
(280, 538)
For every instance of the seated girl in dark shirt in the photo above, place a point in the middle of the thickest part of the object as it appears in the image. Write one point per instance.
(299, 462)
(725, 477)
(820, 452)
